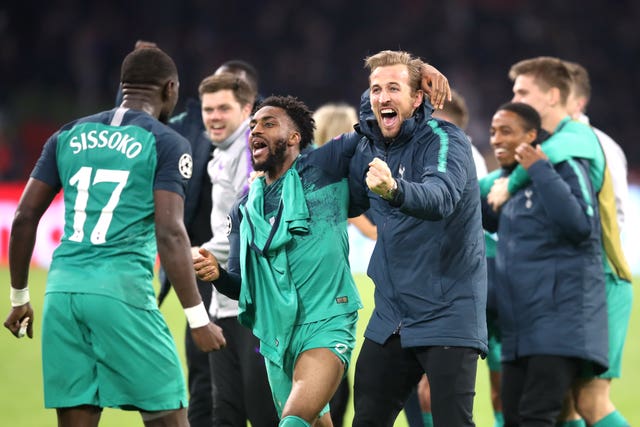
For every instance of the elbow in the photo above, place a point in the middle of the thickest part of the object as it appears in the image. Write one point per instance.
(24, 219)
(440, 212)
(578, 233)
(427, 214)
(429, 211)
(170, 236)
(583, 234)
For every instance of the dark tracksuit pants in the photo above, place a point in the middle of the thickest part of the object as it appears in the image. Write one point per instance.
(240, 388)
(386, 374)
(198, 372)
(534, 387)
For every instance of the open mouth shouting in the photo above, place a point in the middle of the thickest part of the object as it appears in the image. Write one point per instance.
(389, 120)
(259, 148)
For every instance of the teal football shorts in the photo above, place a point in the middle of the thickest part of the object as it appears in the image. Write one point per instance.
(100, 351)
(619, 300)
(338, 334)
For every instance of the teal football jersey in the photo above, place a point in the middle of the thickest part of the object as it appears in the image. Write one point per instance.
(108, 166)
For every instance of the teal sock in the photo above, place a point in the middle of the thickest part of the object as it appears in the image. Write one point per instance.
(614, 419)
(499, 419)
(573, 423)
(427, 419)
(293, 421)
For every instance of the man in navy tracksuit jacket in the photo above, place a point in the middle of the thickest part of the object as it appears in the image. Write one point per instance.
(550, 288)
(428, 265)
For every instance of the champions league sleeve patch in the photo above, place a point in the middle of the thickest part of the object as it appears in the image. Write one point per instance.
(228, 225)
(185, 165)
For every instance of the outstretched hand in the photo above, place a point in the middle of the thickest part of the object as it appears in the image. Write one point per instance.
(205, 265)
(435, 85)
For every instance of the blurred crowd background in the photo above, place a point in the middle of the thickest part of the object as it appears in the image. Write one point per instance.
(60, 59)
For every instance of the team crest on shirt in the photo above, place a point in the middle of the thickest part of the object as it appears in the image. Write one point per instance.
(185, 165)
(341, 348)
(228, 225)
(528, 203)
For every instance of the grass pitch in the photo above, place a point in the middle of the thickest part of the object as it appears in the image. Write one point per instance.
(21, 396)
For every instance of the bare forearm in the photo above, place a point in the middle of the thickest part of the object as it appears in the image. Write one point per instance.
(175, 256)
(35, 200)
(21, 243)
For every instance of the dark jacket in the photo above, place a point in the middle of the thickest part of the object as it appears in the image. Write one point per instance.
(549, 278)
(428, 264)
(197, 201)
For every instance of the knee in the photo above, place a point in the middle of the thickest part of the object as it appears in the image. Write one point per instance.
(593, 403)
(293, 421)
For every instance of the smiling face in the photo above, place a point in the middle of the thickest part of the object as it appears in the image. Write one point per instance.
(507, 132)
(392, 99)
(274, 141)
(528, 91)
(222, 114)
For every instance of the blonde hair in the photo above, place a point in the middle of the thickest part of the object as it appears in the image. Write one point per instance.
(333, 120)
(387, 58)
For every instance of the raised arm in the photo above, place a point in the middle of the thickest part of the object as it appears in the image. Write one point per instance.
(565, 191)
(446, 166)
(435, 85)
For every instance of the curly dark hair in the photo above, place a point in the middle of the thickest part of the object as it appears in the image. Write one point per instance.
(298, 112)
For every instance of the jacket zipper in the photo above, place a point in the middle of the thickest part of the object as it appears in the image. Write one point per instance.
(397, 330)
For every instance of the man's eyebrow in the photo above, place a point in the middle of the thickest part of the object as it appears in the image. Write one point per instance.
(255, 121)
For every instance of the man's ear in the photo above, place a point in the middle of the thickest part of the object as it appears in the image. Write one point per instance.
(246, 109)
(419, 98)
(531, 135)
(169, 89)
(582, 104)
(553, 95)
(294, 138)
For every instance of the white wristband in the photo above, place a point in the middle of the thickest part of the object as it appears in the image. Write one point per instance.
(197, 316)
(19, 296)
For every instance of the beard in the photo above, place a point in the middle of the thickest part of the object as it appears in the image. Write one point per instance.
(275, 160)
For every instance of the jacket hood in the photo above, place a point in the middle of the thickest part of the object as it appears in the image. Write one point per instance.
(368, 125)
